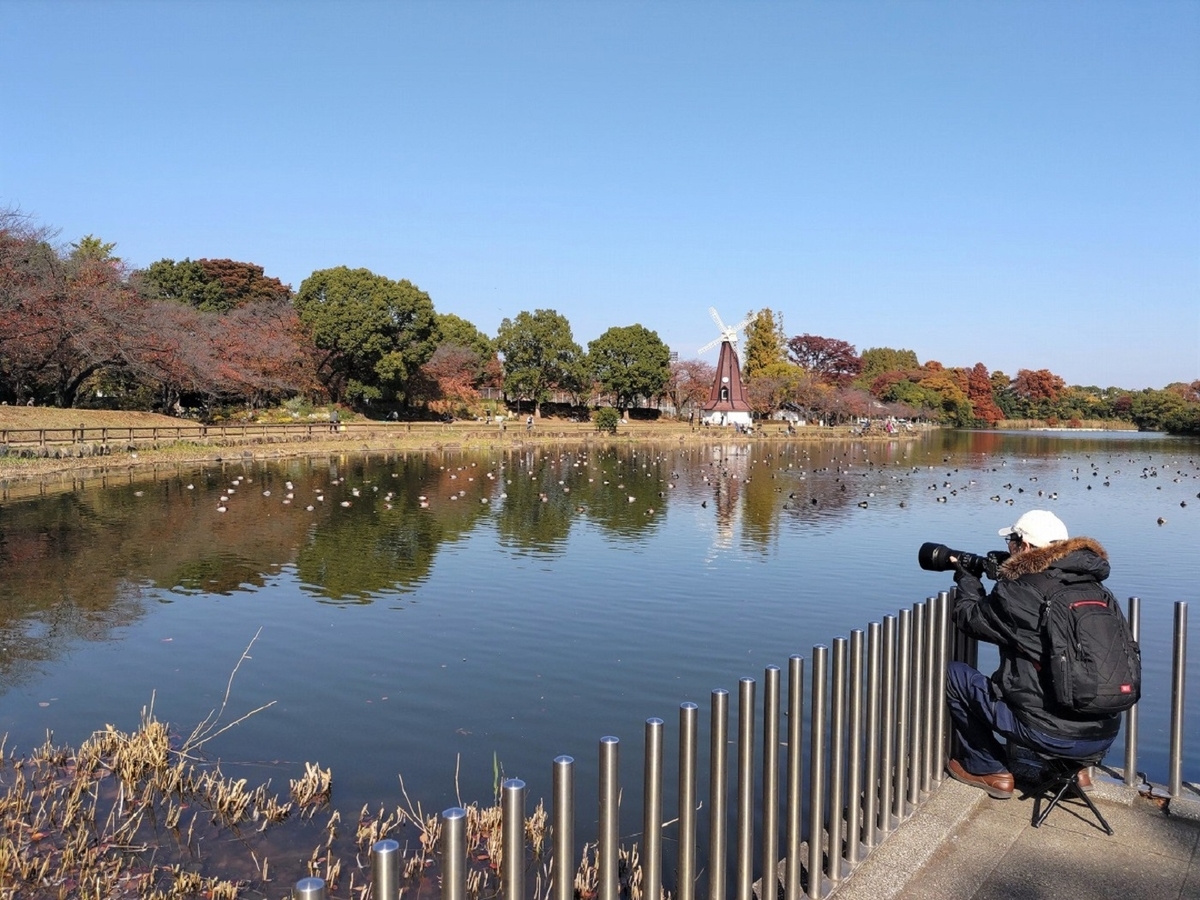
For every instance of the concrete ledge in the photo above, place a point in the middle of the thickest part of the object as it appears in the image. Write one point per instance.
(892, 865)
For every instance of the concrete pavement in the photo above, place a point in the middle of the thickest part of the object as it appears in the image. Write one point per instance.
(963, 845)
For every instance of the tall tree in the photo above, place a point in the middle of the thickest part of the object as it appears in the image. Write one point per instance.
(832, 360)
(979, 392)
(372, 334)
(630, 362)
(765, 343)
(539, 354)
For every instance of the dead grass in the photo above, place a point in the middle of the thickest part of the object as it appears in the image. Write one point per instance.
(52, 417)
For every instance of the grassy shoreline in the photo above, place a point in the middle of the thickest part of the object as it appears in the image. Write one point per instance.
(361, 437)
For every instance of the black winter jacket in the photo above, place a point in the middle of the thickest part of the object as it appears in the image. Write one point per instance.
(1009, 617)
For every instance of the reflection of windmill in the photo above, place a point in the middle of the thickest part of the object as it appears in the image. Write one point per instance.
(727, 404)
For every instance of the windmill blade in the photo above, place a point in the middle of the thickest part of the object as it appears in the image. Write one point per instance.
(711, 344)
(716, 317)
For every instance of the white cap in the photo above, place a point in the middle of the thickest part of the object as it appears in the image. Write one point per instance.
(1038, 528)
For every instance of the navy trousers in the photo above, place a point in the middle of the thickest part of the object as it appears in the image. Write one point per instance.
(978, 718)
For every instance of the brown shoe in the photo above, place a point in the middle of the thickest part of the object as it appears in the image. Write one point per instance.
(1083, 778)
(998, 784)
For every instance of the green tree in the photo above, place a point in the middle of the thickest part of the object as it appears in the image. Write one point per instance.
(184, 282)
(459, 332)
(372, 334)
(539, 354)
(210, 285)
(878, 360)
(91, 247)
(765, 343)
(630, 362)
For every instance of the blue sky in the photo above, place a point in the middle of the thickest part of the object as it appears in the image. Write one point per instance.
(1012, 183)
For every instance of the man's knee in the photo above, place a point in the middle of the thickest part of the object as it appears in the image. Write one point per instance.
(959, 679)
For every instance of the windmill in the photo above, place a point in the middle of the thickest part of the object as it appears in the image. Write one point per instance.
(728, 335)
(727, 403)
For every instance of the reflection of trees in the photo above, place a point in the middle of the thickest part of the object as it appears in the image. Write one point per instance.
(547, 489)
(536, 513)
(387, 538)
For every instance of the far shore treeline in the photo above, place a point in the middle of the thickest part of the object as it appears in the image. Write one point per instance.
(212, 338)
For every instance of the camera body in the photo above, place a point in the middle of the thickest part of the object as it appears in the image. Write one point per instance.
(936, 558)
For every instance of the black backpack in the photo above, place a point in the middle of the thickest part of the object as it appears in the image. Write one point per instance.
(1094, 666)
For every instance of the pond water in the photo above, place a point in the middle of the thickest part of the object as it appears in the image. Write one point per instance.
(433, 615)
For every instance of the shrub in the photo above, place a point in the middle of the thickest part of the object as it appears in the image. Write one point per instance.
(606, 419)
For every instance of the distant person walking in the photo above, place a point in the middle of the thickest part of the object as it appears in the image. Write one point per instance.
(529, 424)
(333, 420)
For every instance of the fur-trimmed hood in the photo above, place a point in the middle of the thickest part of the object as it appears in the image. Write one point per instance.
(1080, 555)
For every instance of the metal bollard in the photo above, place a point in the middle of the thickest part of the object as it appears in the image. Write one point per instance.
(816, 770)
(1178, 680)
(870, 810)
(512, 812)
(903, 724)
(685, 877)
(717, 777)
(916, 705)
(610, 818)
(310, 889)
(385, 869)
(1131, 716)
(887, 728)
(795, 778)
(837, 761)
(454, 854)
(770, 782)
(928, 702)
(941, 738)
(745, 790)
(563, 859)
(854, 755)
(652, 792)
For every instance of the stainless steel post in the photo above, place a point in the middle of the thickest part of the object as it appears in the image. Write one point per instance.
(795, 778)
(1131, 716)
(685, 880)
(770, 784)
(652, 818)
(563, 850)
(903, 723)
(454, 854)
(916, 705)
(930, 667)
(385, 870)
(310, 889)
(718, 776)
(610, 818)
(512, 813)
(816, 770)
(854, 752)
(837, 761)
(887, 728)
(941, 661)
(745, 790)
(1178, 680)
(870, 810)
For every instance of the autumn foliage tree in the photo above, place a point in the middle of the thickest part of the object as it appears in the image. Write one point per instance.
(833, 361)
(689, 384)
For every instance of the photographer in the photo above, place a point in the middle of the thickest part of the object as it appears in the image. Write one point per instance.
(1013, 702)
